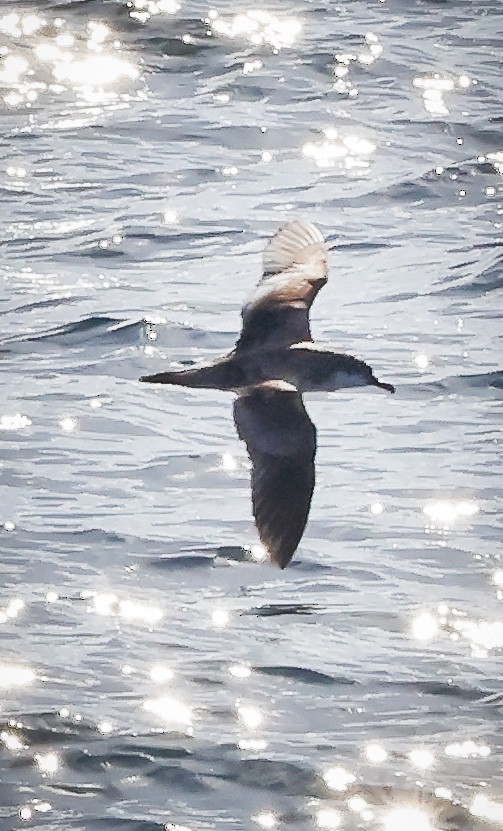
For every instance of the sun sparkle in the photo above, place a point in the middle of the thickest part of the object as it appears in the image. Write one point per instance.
(338, 779)
(251, 716)
(412, 819)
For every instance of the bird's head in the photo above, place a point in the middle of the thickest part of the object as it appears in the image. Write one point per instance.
(350, 372)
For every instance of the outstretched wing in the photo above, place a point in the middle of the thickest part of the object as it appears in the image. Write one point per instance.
(295, 268)
(281, 441)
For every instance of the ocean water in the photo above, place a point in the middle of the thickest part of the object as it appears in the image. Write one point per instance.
(154, 672)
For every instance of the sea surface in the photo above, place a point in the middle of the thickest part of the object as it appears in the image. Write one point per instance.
(155, 672)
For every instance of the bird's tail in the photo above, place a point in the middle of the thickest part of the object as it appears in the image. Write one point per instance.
(213, 376)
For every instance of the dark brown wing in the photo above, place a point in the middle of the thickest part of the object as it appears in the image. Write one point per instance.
(281, 441)
(295, 268)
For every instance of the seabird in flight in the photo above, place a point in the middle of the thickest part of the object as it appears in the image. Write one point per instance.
(273, 363)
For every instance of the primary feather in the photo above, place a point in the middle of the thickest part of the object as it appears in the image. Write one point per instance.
(281, 441)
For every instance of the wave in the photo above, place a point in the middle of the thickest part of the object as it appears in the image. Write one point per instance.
(75, 331)
(467, 383)
(461, 384)
(276, 609)
(307, 676)
(105, 330)
(470, 279)
(150, 245)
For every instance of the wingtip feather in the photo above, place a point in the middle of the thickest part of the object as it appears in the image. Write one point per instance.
(294, 244)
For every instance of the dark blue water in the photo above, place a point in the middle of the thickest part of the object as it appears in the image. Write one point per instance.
(154, 673)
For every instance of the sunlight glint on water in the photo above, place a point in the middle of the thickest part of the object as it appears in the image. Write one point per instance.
(173, 714)
(338, 779)
(487, 808)
(412, 819)
(15, 676)
(86, 62)
(156, 668)
(258, 27)
(345, 152)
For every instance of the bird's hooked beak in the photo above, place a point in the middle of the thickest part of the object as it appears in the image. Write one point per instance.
(382, 385)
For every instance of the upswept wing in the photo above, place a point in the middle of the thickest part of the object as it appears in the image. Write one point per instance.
(294, 270)
(281, 441)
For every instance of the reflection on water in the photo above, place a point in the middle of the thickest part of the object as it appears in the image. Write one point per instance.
(448, 512)
(27, 812)
(328, 818)
(15, 676)
(421, 361)
(338, 779)
(240, 671)
(220, 618)
(88, 61)
(92, 75)
(47, 763)
(11, 741)
(421, 758)
(412, 819)
(266, 819)
(14, 422)
(258, 27)
(174, 715)
(250, 716)
(249, 67)
(12, 609)
(496, 160)
(258, 553)
(466, 750)
(170, 217)
(143, 10)
(105, 727)
(357, 804)
(433, 89)
(108, 604)
(344, 152)
(68, 424)
(17, 25)
(252, 745)
(150, 660)
(346, 61)
(160, 674)
(375, 753)
(425, 627)
(229, 463)
(497, 580)
(487, 808)
(482, 635)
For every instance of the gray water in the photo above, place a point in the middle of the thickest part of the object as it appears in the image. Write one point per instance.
(153, 671)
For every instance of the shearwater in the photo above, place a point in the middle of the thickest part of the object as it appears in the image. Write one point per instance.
(273, 363)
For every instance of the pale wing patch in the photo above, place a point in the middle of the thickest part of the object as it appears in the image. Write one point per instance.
(296, 244)
(295, 269)
(273, 284)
